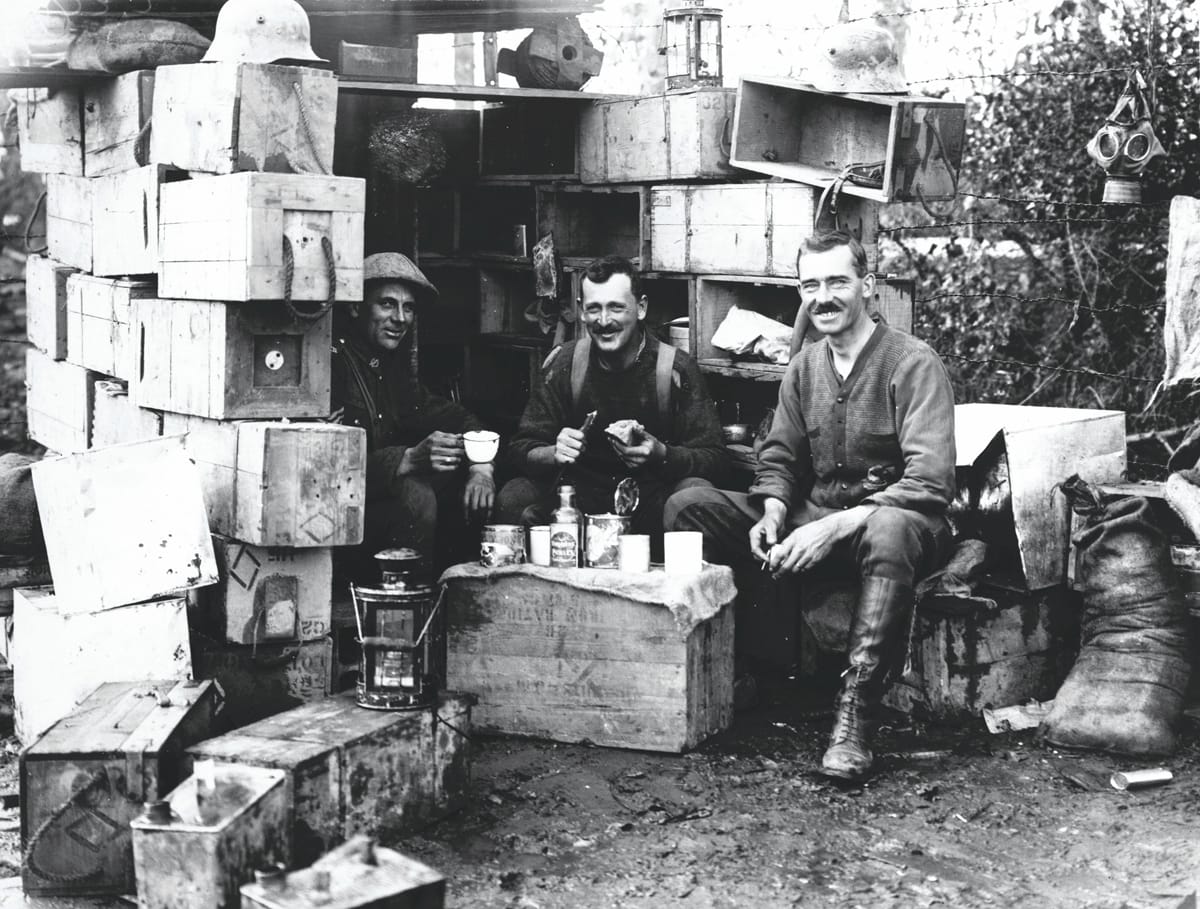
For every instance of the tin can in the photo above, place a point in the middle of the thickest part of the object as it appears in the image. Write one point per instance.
(603, 532)
(1139, 779)
(503, 544)
(564, 545)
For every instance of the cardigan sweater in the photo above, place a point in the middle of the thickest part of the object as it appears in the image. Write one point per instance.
(883, 435)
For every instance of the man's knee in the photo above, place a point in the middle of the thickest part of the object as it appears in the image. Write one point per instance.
(897, 539)
(516, 498)
(690, 494)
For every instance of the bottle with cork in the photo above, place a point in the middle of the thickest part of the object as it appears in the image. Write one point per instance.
(565, 532)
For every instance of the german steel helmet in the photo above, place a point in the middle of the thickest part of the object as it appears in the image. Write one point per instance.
(394, 266)
(856, 57)
(262, 31)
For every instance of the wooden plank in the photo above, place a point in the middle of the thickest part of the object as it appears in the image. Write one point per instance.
(674, 136)
(373, 61)
(379, 86)
(269, 593)
(50, 130)
(219, 118)
(213, 446)
(124, 524)
(59, 402)
(236, 226)
(46, 305)
(100, 331)
(300, 485)
(64, 654)
(118, 420)
(115, 111)
(69, 220)
(125, 213)
(220, 361)
(131, 732)
(789, 129)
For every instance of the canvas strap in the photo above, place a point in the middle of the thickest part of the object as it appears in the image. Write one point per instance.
(663, 369)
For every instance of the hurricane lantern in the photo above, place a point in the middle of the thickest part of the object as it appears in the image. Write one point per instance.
(691, 41)
(399, 634)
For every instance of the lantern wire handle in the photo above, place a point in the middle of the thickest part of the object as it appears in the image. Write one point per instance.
(432, 614)
(357, 619)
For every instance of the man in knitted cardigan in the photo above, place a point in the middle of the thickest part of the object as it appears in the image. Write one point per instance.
(619, 370)
(856, 475)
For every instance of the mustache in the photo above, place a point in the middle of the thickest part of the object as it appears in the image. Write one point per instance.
(822, 308)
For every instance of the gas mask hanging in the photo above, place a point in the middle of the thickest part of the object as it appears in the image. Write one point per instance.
(1126, 143)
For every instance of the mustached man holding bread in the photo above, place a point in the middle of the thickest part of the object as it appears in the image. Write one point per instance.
(655, 421)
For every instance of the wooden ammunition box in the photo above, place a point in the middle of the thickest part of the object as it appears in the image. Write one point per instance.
(230, 238)
(358, 771)
(252, 361)
(996, 648)
(59, 398)
(300, 484)
(622, 660)
(218, 118)
(87, 777)
(682, 135)
(46, 305)
(398, 63)
(124, 524)
(20, 571)
(125, 215)
(266, 679)
(214, 838)
(743, 228)
(116, 118)
(588, 222)
(356, 875)
(69, 220)
(116, 419)
(212, 445)
(100, 333)
(64, 654)
(789, 129)
(269, 593)
(50, 129)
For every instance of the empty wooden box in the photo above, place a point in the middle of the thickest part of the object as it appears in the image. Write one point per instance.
(100, 329)
(589, 221)
(210, 838)
(64, 654)
(358, 771)
(122, 746)
(116, 419)
(623, 660)
(789, 129)
(681, 135)
(46, 305)
(116, 119)
(269, 593)
(124, 524)
(69, 220)
(359, 874)
(743, 228)
(59, 397)
(218, 118)
(232, 237)
(249, 361)
(50, 127)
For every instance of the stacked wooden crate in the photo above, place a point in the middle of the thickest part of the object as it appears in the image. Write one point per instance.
(196, 245)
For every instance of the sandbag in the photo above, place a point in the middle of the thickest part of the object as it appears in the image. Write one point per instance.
(1125, 693)
(132, 44)
(20, 527)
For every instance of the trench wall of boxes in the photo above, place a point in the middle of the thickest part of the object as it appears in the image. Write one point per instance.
(196, 244)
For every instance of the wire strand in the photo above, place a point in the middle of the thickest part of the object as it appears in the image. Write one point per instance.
(990, 361)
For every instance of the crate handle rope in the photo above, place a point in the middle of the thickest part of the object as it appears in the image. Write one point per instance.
(289, 274)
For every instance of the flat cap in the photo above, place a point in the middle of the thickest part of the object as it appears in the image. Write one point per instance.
(394, 266)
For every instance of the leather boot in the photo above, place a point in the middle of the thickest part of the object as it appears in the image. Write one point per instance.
(882, 607)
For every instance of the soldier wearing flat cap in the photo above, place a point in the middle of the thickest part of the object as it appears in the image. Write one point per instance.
(420, 486)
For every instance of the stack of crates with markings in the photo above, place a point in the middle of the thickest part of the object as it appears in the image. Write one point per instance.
(196, 243)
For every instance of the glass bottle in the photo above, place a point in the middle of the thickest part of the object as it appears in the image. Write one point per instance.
(564, 530)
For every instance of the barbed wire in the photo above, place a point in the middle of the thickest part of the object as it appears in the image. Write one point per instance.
(24, 341)
(996, 361)
(1057, 73)
(957, 7)
(1059, 202)
(1074, 304)
(986, 222)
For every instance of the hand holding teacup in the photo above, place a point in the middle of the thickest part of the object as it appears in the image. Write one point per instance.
(481, 445)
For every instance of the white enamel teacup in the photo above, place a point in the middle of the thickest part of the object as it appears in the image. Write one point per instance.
(481, 445)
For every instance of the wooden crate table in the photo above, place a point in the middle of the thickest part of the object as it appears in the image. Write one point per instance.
(354, 770)
(621, 660)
